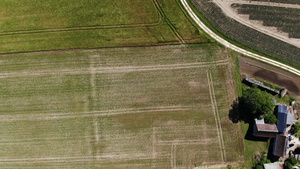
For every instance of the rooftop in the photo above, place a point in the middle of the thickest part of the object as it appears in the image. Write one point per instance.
(267, 127)
(280, 145)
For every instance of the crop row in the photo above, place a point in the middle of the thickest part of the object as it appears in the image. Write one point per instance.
(286, 19)
(247, 36)
(281, 1)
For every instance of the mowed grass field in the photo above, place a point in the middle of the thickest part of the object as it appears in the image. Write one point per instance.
(63, 24)
(155, 107)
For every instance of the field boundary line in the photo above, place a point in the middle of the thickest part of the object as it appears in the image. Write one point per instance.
(122, 69)
(216, 115)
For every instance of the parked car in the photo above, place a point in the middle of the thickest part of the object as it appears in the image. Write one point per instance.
(291, 145)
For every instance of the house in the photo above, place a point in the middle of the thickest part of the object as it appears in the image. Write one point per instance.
(262, 129)
(276, 165)
(280, 145)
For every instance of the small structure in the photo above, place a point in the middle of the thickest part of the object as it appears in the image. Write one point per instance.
(276, 165)
(280, 144)
(290, 117)
(262, 129)
(260, 85)
(283, 92)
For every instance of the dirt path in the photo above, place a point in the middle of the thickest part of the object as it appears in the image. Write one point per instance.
(271, 74)
(225, 5)
(216, 114)
(122, 69)
(52, 116)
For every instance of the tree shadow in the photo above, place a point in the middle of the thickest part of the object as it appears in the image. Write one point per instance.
(234, 113)
(237, 112)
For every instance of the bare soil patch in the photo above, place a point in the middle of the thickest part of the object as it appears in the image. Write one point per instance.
(271, 74)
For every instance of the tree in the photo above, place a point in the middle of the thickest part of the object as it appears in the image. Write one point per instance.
(292, 160)
(295, 128)
(288, 165)
(258, 104)
(260, 163)
(271, 118)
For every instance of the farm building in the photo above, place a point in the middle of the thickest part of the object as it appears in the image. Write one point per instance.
(283, 92)
(285, 117)
(280, 144)
(261, 129)
(260, 85)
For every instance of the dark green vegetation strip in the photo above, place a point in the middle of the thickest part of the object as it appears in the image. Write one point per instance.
(281, 1)
(286, 19)
(247, 36)
(61, 24)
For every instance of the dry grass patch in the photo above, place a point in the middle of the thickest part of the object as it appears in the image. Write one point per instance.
(118, 108)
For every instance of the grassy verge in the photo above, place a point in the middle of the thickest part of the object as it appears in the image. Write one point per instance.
(252, 147)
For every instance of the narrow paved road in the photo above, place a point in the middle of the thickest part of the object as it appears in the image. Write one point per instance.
(233, 47)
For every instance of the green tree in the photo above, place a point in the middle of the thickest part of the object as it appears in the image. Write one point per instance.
(296, 128)
(259, 167)
(257, 104)
(260, 163)
(293, 161)
(271, 118)
(288, 165)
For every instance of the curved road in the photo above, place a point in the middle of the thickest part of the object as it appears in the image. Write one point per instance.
(233, 47)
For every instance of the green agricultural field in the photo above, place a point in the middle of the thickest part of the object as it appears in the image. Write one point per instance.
(154, 107)
(63, 24)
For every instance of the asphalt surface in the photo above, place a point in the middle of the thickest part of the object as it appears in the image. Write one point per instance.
(233, 47)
